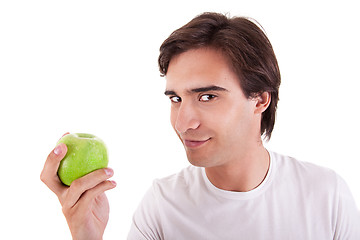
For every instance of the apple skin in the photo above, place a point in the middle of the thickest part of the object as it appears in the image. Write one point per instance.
(85, 153)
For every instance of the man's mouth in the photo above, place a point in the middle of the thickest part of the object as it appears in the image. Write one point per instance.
(194, 143)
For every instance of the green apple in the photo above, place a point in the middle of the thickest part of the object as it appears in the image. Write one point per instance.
(86, 153)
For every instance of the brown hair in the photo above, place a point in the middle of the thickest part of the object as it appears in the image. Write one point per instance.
(243, 43)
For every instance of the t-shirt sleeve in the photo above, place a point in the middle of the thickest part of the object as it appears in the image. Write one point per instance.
(146, 220)
(348, 216)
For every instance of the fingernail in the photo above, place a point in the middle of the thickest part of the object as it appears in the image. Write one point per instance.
(108, 171)
(63, 136)
(113, 182)
(57, 150)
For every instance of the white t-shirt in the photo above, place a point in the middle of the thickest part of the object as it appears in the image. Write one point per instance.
(296, 200)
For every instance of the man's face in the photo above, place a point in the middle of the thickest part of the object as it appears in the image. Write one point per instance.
(214, 120)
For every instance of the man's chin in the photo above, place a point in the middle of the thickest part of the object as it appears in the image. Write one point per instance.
(197, 161)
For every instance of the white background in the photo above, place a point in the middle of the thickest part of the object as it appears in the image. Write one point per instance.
(91, 66)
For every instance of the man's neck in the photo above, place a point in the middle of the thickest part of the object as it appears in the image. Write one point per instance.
(243, 174)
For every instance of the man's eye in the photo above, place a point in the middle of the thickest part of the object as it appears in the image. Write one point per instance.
(175, 99)
(206, 97)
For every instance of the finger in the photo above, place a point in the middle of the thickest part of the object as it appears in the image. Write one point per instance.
(91, 194)
(64, 135)
(79, 186)
(49, 173)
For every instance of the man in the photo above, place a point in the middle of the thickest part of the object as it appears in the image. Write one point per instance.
(222, 79)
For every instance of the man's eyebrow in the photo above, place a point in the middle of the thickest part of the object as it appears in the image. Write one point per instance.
(198, 90)
(209, 88)
(169, 92)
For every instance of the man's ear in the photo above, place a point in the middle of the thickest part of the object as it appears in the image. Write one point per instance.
(262, 102)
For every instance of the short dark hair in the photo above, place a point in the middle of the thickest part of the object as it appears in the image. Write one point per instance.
(243, 43)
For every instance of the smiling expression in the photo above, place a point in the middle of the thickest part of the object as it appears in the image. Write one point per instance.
(214, 120)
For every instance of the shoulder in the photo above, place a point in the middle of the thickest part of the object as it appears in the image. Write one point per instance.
(322, 190)
(187, 177)
(148, 218)
(308, 179)
(304, 171)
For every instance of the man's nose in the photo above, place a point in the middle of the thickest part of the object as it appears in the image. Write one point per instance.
(187, 118)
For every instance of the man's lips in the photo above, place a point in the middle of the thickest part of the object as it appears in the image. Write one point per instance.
(194, 143)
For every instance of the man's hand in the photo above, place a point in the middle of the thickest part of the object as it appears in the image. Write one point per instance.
(84, 203)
